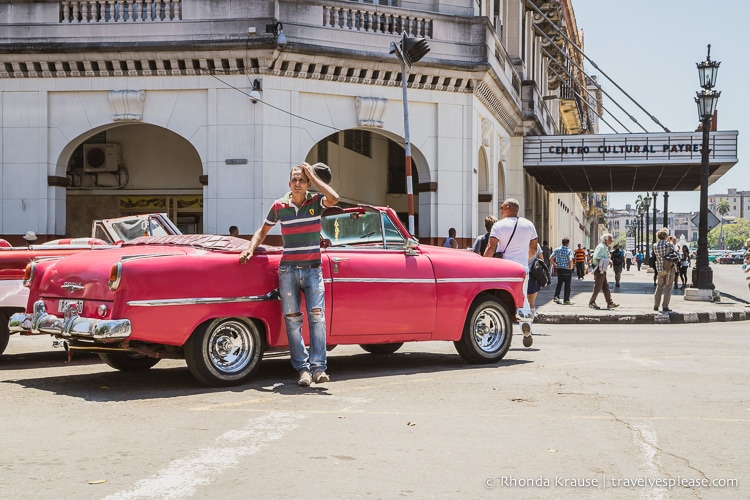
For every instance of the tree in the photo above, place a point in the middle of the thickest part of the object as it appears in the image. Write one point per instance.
(734, 235)
(723, 208)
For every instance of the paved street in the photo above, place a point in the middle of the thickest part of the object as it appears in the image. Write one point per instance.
(591, 411)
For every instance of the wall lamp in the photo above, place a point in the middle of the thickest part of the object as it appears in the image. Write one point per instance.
(277, 29)
(255, 93)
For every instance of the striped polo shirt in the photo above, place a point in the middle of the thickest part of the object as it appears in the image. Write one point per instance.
(300, 228)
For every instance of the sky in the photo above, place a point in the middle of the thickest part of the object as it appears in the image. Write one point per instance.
(650, 48)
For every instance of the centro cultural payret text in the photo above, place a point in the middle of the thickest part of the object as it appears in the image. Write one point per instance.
(623, 148)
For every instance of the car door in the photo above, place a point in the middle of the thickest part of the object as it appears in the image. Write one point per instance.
(378, 288)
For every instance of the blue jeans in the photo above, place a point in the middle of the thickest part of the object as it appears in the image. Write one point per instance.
(308, 280)
(564, 276)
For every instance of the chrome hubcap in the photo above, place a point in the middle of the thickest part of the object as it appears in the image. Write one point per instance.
(489, 330)
(230, 347)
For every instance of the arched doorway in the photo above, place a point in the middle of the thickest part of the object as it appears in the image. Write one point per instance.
(369, 167)
(129, 169)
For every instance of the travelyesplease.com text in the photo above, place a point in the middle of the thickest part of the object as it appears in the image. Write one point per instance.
(605, 482)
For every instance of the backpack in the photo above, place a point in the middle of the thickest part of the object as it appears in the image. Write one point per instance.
(540, 271)
(483, 243)
(652, 261)
(617, 258)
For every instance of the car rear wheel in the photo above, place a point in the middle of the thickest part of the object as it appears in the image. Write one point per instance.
(382, 349)
(4, 332)
(487, 332)
(224, 352)
(128, 362)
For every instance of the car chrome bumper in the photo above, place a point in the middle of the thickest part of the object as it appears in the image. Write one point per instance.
(70, 325)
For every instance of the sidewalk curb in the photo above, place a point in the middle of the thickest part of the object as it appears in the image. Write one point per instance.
(649, 318)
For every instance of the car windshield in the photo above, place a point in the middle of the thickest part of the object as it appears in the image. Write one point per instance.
(133, 228)
(368, 228)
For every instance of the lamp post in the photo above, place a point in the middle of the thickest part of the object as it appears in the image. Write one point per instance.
(666, 209)
(647, 203)
(706, 99)
(653, 234)
(409, 50)
(640, 229)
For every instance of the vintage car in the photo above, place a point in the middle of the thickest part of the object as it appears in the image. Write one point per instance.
(105, 233)
(737, 257)
(189, 297)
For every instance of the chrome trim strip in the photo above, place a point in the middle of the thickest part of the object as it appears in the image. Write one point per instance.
(480, 280)
(190, 301)
(381, 280)
(427, 280)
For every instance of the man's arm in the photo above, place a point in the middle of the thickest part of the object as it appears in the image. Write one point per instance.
(532, 248)
(257, 239)
(491, 247)
(331, 197)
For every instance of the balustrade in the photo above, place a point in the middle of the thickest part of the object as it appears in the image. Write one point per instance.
(119, 11)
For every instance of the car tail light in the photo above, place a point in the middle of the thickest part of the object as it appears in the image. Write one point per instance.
(115, 275)
(28, 274)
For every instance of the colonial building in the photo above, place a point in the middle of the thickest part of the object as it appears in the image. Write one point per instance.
(199, 108)
(737, 202)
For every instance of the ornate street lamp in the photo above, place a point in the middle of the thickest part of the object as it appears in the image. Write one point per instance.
(640, 228)
(706, 99)
(646, 203)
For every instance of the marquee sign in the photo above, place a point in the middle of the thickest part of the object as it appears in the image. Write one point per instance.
(620, 149)
(626, 162)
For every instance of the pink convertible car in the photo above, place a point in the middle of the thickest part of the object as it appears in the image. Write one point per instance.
(189, 297)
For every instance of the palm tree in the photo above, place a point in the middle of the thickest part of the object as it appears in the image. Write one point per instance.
(723, 208)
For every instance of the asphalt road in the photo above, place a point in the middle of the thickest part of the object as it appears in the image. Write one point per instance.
(616, 411)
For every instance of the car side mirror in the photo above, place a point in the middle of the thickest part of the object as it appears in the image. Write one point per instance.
(411, 246)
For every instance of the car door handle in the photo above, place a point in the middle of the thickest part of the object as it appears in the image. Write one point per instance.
(339, 259)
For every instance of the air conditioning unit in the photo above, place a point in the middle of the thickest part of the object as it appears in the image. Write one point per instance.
(98, 158)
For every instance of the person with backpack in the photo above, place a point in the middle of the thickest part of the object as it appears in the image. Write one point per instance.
(618, 258)
(480, 244)
(515, 238)
(663, 250)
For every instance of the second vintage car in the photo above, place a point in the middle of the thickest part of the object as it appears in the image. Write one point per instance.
(104, 233)
(189, 297)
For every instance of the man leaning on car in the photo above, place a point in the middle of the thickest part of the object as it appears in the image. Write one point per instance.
(299, 213)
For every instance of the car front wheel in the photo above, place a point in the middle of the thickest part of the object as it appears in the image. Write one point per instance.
(487, 332)
(224, 352)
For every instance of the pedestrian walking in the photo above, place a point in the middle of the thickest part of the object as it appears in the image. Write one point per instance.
(480, 244)
(684, 265)
(618, 258)
(299, 213)
(639, 259)
(628, 259)
(562, 261)
(580, 258)
(450, 241)
(664, 270)
(515, 238)
(600, 261)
